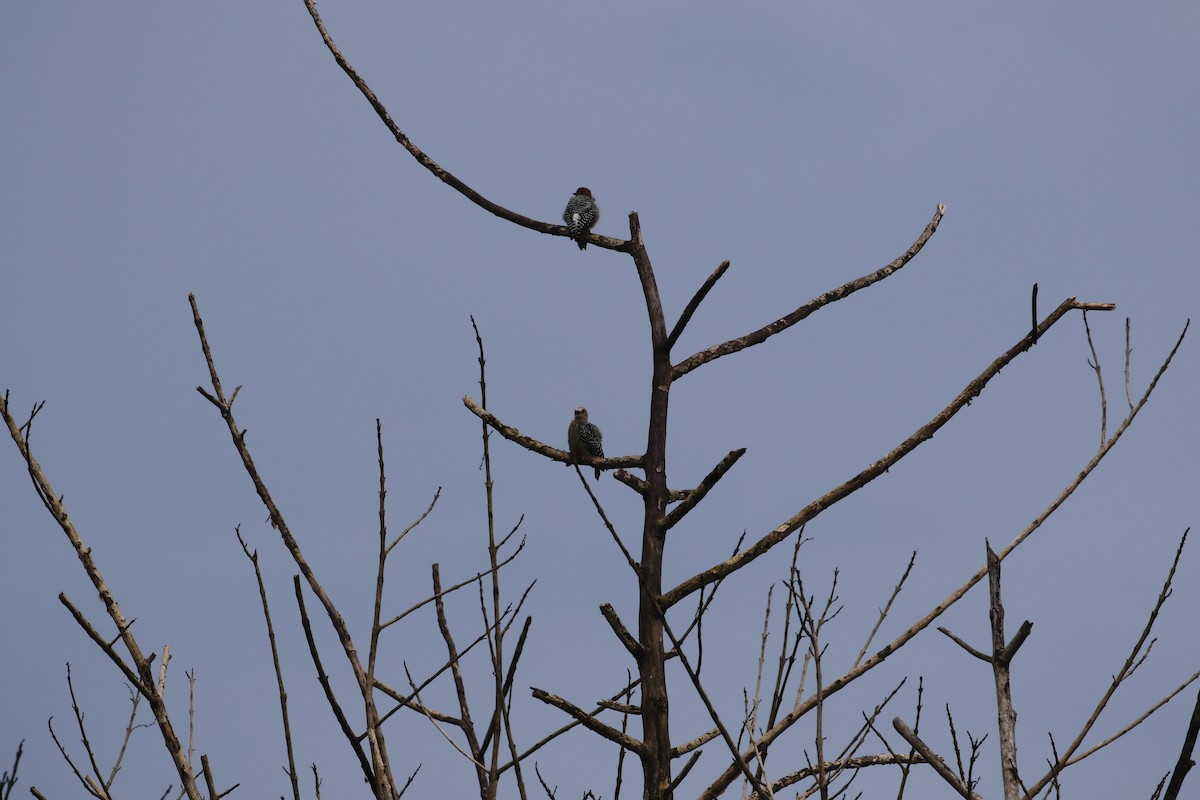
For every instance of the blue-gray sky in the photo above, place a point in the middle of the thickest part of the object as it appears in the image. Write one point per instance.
(151, 150)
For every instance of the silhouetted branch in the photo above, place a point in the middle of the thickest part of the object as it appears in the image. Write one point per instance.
(139, 674)
(1094, 363)
(330, 697)
(783, 323)
(886, 608)
(933, 759)
(923, 434)
(8, 780)
(1006, 716)
(1131, 662)
(573, 724)
(589, 721)
(803, 707)
(981, 656)
(293, 776)
(460, 687)
(1182, 766)
(533, 445)
(693, 498)
(380, 762)
(614, 622)
(428, 163)
(466, 582)
(695, 302)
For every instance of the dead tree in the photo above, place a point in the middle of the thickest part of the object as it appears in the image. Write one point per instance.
(658, 636)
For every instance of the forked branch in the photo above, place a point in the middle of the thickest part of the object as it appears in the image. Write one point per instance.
(803, 707)
(923, 434)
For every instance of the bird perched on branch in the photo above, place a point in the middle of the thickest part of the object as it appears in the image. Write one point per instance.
(584, 440)
(581, 215)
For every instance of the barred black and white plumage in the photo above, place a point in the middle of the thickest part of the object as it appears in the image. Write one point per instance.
(581, 215)
(584, 440)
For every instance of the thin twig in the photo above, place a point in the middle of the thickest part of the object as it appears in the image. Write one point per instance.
(1095, 365)
(1128, 355)
(1068, 756)
(886, 608)
(293, 776)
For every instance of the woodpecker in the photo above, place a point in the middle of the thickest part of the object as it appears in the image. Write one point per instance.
(584, 440)
(581, 215)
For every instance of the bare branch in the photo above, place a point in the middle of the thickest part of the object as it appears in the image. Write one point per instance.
(923, 434)
(933, 759)
(1126, 669)
(783, 323)
(533, 445)
(1095, 365)
(1033, 316)
(1128, 355)
(1140, 719)
(143, 679)
(694, 497)
(840, 765)
(803, 707)
(689, 746)
(981, 656)
(480, 769)
(437, 494)
(330, 697)
(573, 724)
(460, 688)
(428, 163)
(695, 302)
(379, 758)
(1182, 766)
(886, 608)
(614, 622)
(293, 775)
(589, 721)
(1006, 716)
(8, 780)
(466, 582)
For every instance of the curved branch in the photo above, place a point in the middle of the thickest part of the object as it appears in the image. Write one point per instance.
(531, 444)
(924, 433)
(428, 163)
(783, 323)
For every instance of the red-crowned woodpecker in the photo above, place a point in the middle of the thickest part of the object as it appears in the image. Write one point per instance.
(584, 440)
(582, 213)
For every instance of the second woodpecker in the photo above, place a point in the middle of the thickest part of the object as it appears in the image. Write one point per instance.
(584, 440)
(581, 215)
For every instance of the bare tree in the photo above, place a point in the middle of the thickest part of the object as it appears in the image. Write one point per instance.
(797, 684)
